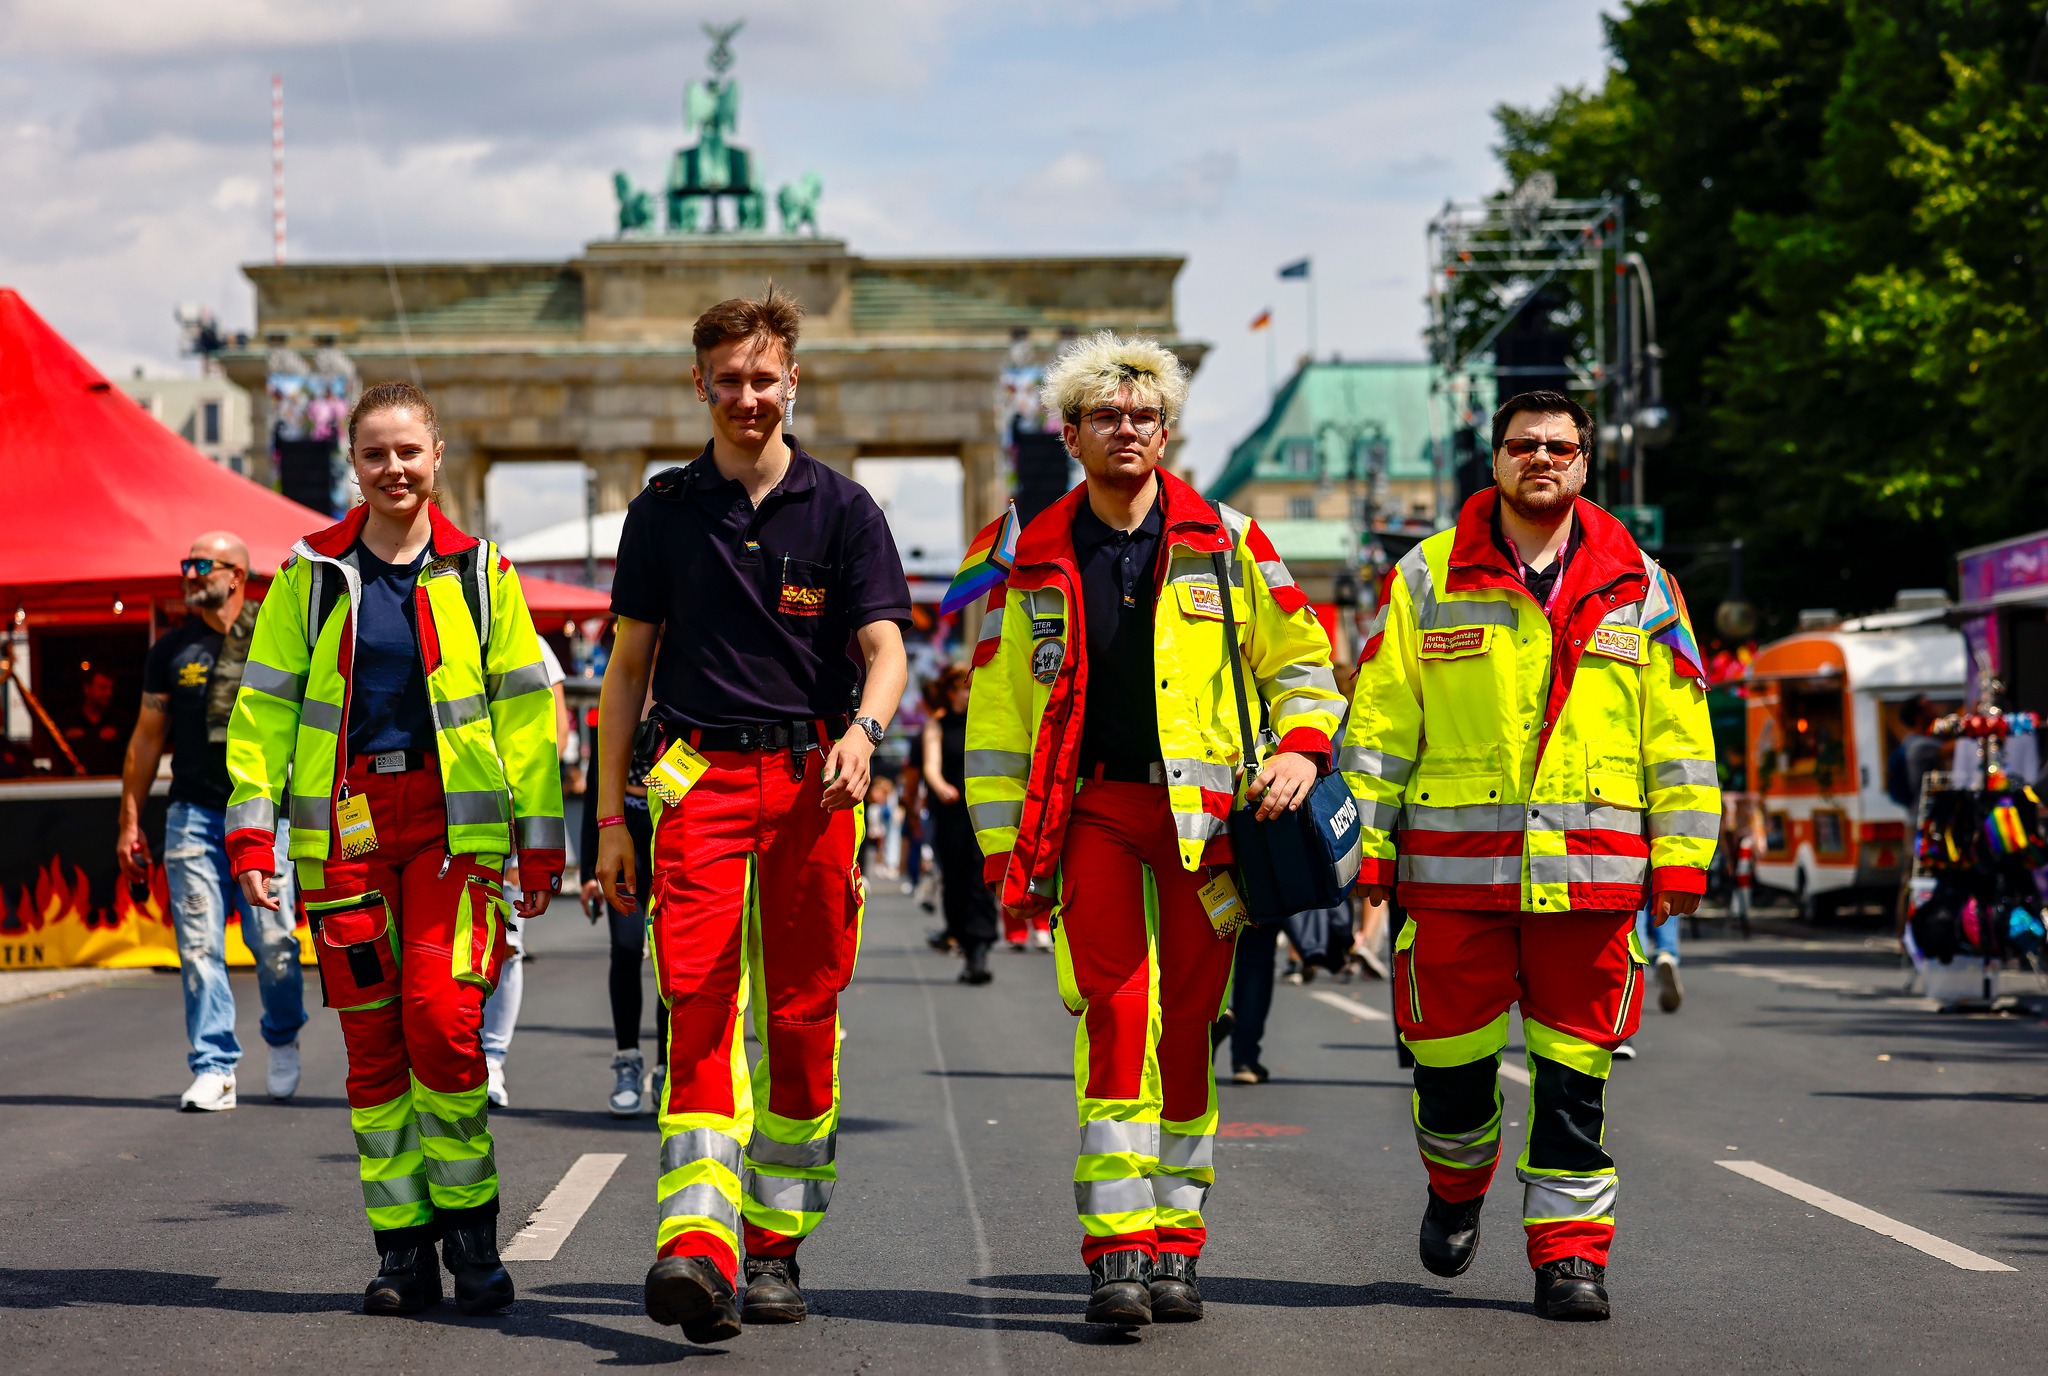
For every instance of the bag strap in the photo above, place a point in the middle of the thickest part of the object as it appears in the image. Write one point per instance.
(1244, 711)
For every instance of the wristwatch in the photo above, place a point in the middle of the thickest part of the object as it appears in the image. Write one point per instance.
(871, 728)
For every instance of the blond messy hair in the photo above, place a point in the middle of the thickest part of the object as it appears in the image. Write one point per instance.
(1090, 372)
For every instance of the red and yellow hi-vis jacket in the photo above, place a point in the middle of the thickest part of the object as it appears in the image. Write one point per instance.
(1031, 682)
(1511, 761)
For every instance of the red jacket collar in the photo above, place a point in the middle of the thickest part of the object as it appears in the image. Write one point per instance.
(1606, 549)
(1189, 520)
(334, 541)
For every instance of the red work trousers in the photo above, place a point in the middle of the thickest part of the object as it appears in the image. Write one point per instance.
(410, 941)
(1579, 979)
(1147, 975)
(757, 903)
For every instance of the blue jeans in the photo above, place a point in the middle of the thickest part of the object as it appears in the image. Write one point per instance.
(1658, 941)
(1251, 992)
(196, 864)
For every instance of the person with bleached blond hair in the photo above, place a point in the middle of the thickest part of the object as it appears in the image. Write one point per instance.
(1103, 759)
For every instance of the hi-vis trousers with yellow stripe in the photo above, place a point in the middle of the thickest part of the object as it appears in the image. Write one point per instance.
(1141, 966)
(757, 905)
(1579, 979)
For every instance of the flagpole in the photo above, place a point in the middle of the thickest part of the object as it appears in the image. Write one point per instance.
(1309, 281)
(1272, 380)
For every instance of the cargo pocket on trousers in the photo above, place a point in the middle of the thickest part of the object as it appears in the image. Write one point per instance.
(352, 943)
(856, 920)
(1628, 1016)
(1407, 994)
(481, 935)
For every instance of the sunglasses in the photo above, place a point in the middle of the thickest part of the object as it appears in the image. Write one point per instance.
(200, 568)
(1522, 447)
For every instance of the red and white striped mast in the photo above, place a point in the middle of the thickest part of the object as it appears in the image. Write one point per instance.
(277, 164)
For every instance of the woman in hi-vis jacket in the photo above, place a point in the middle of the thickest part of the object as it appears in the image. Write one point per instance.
(395, 691)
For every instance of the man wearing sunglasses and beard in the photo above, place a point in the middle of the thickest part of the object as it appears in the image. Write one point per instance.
(1530, 748)
(188, 690)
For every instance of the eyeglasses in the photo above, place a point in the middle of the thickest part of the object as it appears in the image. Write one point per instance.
(1522, 447)
(1107, 420)
(200, 568)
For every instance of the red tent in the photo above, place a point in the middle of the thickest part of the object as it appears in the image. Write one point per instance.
(99, 502)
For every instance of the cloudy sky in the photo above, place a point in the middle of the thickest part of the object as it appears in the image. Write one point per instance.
(134, 143)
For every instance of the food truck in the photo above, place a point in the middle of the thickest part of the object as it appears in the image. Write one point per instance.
(1822, 721)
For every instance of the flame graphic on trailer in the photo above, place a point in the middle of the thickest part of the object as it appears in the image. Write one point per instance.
(54, 923)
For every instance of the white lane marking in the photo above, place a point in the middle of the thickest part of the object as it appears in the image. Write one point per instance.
(1510, 1071)
(563, 1209)
(1947, 1251)
(1351, 1006)
(983, 1258)
(1798, 978)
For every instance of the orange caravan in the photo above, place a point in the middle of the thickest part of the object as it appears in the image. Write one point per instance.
(1823, 718)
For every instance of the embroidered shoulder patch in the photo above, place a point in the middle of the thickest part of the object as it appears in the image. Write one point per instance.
(1616, 643)
(1205, 599)
(1465, 640)
(439, 568)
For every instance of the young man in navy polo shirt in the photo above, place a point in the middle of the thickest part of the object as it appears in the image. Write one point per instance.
(772, 587)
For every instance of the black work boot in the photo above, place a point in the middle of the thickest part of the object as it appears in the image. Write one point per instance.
(1450, 1235)
(772, 1296)
(694, 1293)
(1175, 1297)
(408, 1280)
(471, 1254)
(1571, 1288)
(1123, 1289)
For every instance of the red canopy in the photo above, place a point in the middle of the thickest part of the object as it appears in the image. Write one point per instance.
(98, 501)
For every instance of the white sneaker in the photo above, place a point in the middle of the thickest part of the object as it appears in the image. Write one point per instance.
(626, 1100)
(656, 1083)
(494, 1079)
(211, 1092)
(283, 1079)
(1041, 938)
(1625, 1052)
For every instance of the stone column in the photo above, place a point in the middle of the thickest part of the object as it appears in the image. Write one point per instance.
(459, 490)
(618, 476)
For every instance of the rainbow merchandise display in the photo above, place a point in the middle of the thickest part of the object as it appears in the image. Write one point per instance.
(1981, 847)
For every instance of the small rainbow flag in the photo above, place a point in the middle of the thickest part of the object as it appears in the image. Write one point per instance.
(1665, 619)
(990, 557)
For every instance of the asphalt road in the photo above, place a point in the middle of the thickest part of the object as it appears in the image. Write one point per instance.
(140, 1239)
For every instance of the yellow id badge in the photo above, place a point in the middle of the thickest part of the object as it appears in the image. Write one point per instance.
(1225, 907)
(358, 832)
(676, 772)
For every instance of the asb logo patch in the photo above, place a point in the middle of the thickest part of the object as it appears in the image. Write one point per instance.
(1466, 640)
(1618, 644)
(801, 601)
(192, 673)
(1046, 660)
(440, 568)
(1205, 600)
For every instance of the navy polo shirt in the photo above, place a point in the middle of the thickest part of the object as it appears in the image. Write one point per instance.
(760, 604)
(1119, 589)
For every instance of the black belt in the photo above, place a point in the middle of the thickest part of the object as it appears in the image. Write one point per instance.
(1103, 772)
(395, 761)
(796, 736)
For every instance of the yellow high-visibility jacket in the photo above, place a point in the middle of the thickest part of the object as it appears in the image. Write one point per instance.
(487, 687)
(1031, 677)
(1512, 761)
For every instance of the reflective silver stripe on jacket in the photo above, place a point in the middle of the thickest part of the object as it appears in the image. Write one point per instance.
(478, 807)
(789, 1193)
(1701, 826)
(992, 625)
(1584, 817)
(1216, 778)
(1124, 1195)
(1003, 764)
(1199, 826)
(321, 716)
(699, 1144)
(1473, 870)
(1567, 1196)
(1183, 1151)
(1432, 614)
(527, 678)
(764, 1150)
(1588, 869)
(702, 1200)
(258, 814)
(541, 833)
(1003, 812)
(1374, 764)
(1295, 677)
(1672, 773)
(1469, 818)
(310, 814)
(1111, 1136)
(461, 711)
(276, 682)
